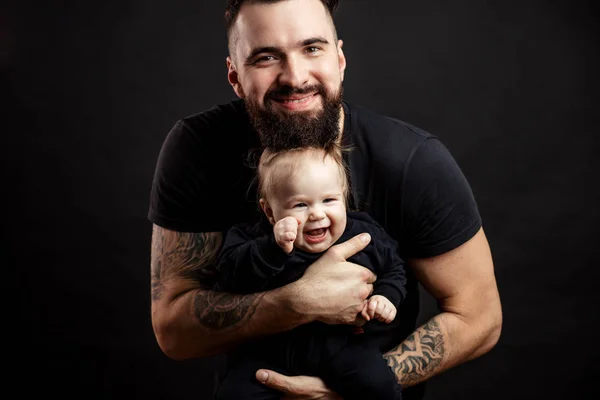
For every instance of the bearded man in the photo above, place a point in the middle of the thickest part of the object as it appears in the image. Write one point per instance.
(286, 64)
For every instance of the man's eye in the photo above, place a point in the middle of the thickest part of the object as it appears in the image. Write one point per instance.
(312, 49)
(264, 59)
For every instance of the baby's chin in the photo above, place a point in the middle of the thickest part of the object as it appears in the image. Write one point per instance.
(314, 248)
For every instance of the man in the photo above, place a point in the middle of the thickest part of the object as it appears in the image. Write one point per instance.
(287, 66)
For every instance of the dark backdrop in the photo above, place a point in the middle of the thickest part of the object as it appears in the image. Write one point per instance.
(90, 89)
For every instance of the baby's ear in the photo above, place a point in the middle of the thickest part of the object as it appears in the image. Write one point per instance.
(264, 204)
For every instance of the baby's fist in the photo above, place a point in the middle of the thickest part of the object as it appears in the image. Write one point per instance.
(285, 231)
(380, 308)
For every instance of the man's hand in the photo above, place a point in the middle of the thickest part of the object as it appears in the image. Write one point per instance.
(296, 387)
(333, 290)
(286, 231)
(379, 308)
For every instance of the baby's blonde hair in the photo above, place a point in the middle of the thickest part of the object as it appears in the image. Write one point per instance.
(266, 176)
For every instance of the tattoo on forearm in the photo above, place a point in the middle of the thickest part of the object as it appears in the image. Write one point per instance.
(219, 311)
(188, 255)
(192, 256)
(419, 355)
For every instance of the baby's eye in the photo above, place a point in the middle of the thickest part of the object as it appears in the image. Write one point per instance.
(298, 205)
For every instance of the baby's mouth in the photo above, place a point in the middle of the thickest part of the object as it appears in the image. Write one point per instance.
(315, 235)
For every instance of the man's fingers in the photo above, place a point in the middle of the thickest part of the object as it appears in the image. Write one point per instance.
(296, 387)
(359, 321)
(352, 246)
(274, 380)
(365, 314)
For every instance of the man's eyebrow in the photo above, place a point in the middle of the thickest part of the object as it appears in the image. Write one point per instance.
(314, 40)
(278, 50)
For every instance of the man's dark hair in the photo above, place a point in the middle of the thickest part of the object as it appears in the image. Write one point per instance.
(233, 9)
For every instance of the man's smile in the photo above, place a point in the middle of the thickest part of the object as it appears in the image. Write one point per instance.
(296, 102)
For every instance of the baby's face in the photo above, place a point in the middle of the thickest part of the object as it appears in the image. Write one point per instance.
(313, 194)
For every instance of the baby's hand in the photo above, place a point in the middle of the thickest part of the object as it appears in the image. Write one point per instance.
(380, 308)
(285, 231)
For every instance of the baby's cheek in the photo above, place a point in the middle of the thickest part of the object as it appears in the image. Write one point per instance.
(300, 218)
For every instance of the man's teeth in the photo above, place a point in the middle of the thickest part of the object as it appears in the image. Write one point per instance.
(296, 101)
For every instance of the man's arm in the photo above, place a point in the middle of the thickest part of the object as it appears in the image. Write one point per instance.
(464, 285)
(190, 320)
(463, 282)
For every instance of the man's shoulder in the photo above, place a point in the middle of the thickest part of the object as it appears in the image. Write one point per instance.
(219, 115)
(378, 128)
(382, 145)
(222, 130)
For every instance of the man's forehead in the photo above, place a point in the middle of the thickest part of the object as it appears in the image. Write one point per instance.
(283, 24)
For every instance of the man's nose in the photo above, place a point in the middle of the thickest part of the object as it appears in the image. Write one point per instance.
(294, 73)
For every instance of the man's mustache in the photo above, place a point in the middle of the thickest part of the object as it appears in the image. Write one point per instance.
(285, 91)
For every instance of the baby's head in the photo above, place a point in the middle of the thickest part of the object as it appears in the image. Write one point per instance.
(310, 185)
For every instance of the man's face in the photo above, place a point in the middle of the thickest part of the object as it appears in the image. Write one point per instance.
(286, 63)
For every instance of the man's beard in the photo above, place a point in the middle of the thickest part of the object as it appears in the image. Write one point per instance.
(280, 131)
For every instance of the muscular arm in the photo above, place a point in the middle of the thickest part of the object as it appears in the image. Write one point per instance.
(463, 283)
(462, 280)
(190, 320)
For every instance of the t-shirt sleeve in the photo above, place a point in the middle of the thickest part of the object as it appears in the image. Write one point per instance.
(183, 190)
(439, 210)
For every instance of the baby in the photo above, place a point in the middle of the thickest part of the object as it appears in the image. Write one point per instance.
(303, 197)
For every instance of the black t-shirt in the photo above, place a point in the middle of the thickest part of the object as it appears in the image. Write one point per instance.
(404, 177)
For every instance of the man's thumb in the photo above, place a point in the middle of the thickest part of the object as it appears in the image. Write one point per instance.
(262, 375)
(352, 246)
(271, 379)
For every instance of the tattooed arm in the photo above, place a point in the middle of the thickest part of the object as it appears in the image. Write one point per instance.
(463, 283)
(190, 320)
(462, 280)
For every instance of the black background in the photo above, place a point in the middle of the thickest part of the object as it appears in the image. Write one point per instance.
(90, 89)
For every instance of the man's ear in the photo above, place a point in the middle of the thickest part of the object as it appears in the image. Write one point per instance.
(264, 204)
(341, 59)
(233, 78)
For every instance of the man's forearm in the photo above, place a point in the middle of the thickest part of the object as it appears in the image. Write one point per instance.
(439, 344)
(191, 320)
(201, 323)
